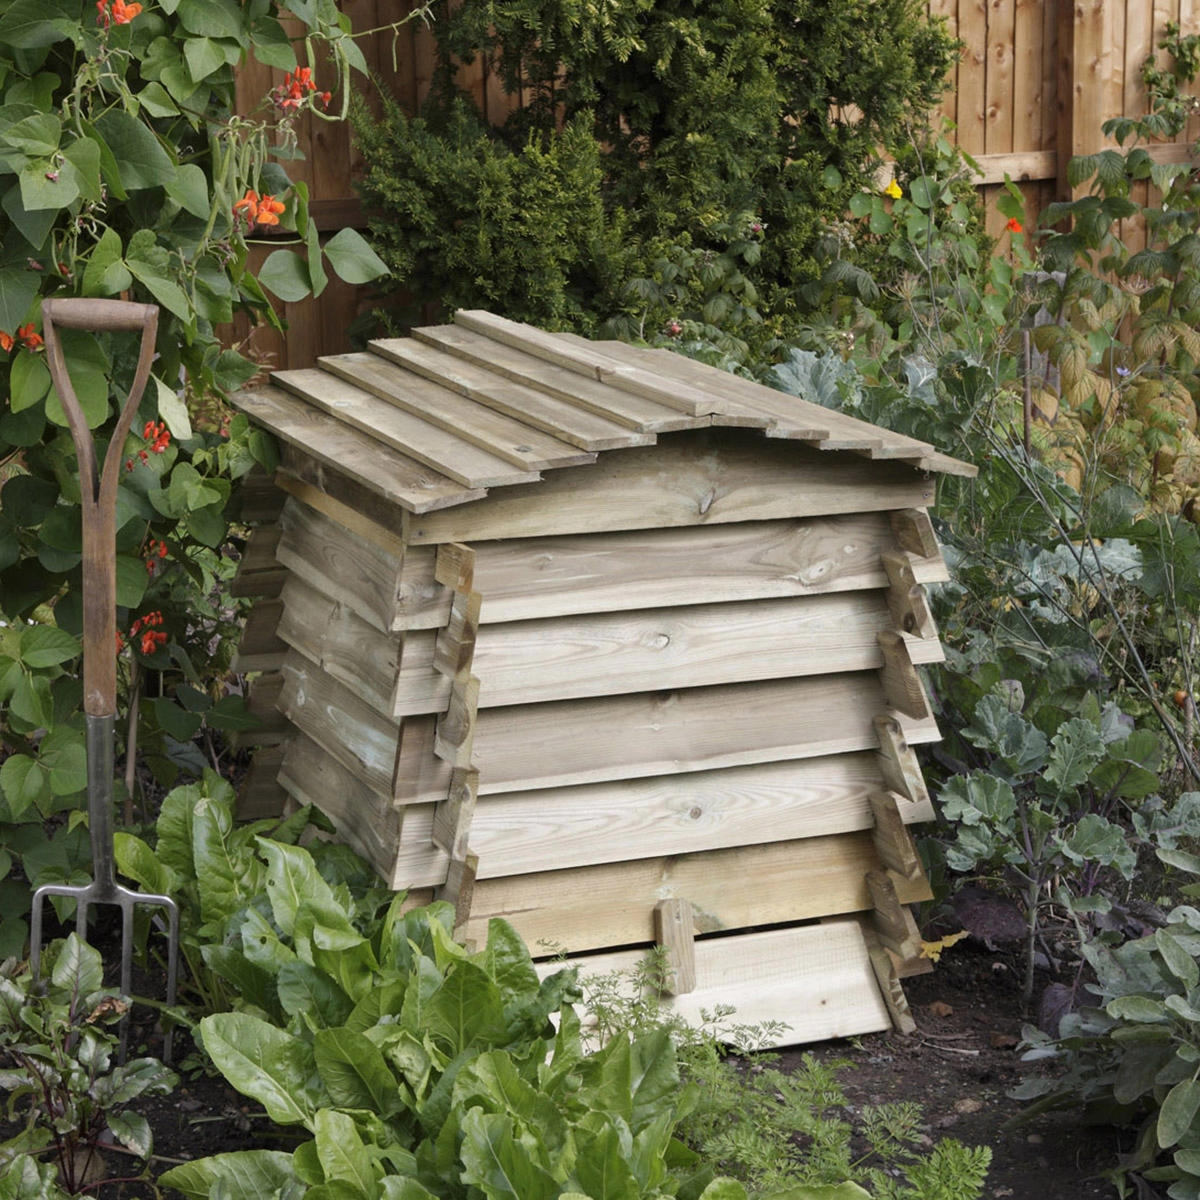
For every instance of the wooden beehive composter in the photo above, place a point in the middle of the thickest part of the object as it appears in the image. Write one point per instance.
(616, 646)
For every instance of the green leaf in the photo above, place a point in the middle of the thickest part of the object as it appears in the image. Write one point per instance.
(1178, 960)
(190, 191)
(64, 755)
(272, 46)
(1096, 840)
(180, 724)
(37, 135)
(155, 100)
(497, 1164)
(78, 968)
(1180, 859)
(47, 646)
(286, 274)
(132, 1130)
(203, 56)
(978, 799)
(211, 18)
(23, 784)
(131, 581)
(32, 24)
(352, 258)
(106, 273)
(173, 411)
(29, 382)
(244, 1175)
(1074, 750)
(293, 880)
(354, 1072)
(140, 158)
(268, 1065)
(601, 1169)
(18, 288)
(34, 224)
(305, 990)
(342, 1154)
(1178, 1112)
(138, 862)
(220, 869)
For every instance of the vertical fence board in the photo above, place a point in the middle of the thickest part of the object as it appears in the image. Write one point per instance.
(972, 76)
(1001, 96)
(1028, 76)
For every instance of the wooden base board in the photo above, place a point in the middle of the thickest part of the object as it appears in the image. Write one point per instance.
(817, 980)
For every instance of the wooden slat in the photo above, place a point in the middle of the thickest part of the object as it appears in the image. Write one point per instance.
(901, 683)
(458, 890)
(362, 817)
(557, 828)
(421, 440)
(676, 935)
(341, 723)
(262, 694)
(817, 980)
(914, 533)
(526, 578)
(418, 861)
(443, 405)
(972, 76)
(893, 842)
(693, 401)
(260, 648)
(357, 457)
(259, 499)
(330, 635)
(452, 819)
(900, 769)
(340, 563)
(691, 478)
(611, 404)
(999, 97)
(888, 979)
(663, 732)
(906, 598)
(259, 573)
(612, 905)
(526, 662)
(893, 922)
(349, 504)
(261, 794)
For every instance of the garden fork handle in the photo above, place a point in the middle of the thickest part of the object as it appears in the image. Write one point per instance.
(97, 484)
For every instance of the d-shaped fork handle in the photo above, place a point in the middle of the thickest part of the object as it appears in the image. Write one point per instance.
(98, 484)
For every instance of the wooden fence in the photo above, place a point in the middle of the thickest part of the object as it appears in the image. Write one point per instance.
(1036, 80)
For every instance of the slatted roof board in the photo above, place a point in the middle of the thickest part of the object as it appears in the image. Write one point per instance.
(442, 417)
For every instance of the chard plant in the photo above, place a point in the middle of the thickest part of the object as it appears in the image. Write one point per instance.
(57, 1068)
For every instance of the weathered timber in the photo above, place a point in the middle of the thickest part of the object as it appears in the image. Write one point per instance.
(675, 934)
(260, 647)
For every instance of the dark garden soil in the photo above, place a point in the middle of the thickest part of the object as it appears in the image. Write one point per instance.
(959, 1065)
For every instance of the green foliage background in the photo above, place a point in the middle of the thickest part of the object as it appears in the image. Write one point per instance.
(647, 129)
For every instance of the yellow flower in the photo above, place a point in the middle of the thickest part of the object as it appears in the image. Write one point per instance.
(893, 190)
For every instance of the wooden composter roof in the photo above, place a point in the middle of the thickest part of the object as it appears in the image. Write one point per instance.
(667, 693)
(441, 418)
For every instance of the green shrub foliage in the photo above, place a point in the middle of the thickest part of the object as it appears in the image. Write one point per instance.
(644, 129)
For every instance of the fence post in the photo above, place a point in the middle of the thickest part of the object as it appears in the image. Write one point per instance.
(1083, 54)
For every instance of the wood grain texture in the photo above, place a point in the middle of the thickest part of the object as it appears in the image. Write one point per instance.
(521, 747)
(623, 408)
(524, 578)
(414, 437)
(437, 401)
(366, 514)
(556, 828)
(676, 935)
(340, 563)
(260, 648)
(334, 716)
(612, 905)
(261, 794)
(396, 478)
(690, 478)
(817, 980)
(364, 818)
(339, 642)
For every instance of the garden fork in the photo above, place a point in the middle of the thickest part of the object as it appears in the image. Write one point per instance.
(99, 488)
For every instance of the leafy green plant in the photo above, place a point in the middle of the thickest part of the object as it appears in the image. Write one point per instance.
(1132, 1055)
(56, 1062)
(644, 133)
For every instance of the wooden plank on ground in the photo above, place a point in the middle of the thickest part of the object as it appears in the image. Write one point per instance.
(338, 720)
(558, 828)
(358, 458)
(816, 980)
(365, 819)
(260, 648)
(440, 403)
(347, 648)
(526, 662)
(337, 561)
(663, 732)
(697, 477)
(586, 908)
(610, 404)
(526, 578)
(346, 406)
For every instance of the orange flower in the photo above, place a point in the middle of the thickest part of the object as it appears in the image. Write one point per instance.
(1015, 226)
(268, 210)
(247, 207)
(30, 338)
(6, 341)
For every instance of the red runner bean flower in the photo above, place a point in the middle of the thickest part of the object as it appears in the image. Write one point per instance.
(158, 435)
(6, 341)
(30, 338)
(1015, 226)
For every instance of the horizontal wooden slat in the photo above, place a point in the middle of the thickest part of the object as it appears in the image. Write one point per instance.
(260, 648)
(612, 905)
(334, 716)
(363, 818)
(393, 477)
(342, 500)
(664, 732)
(349, 650)
(817, 980)
(426, 397)
(578, 391)
(554, 576)
(262, 693)
(1043, 164)
(415, 438)
(698, 477)
(527, 662)
(335, 560)
(557, 828)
